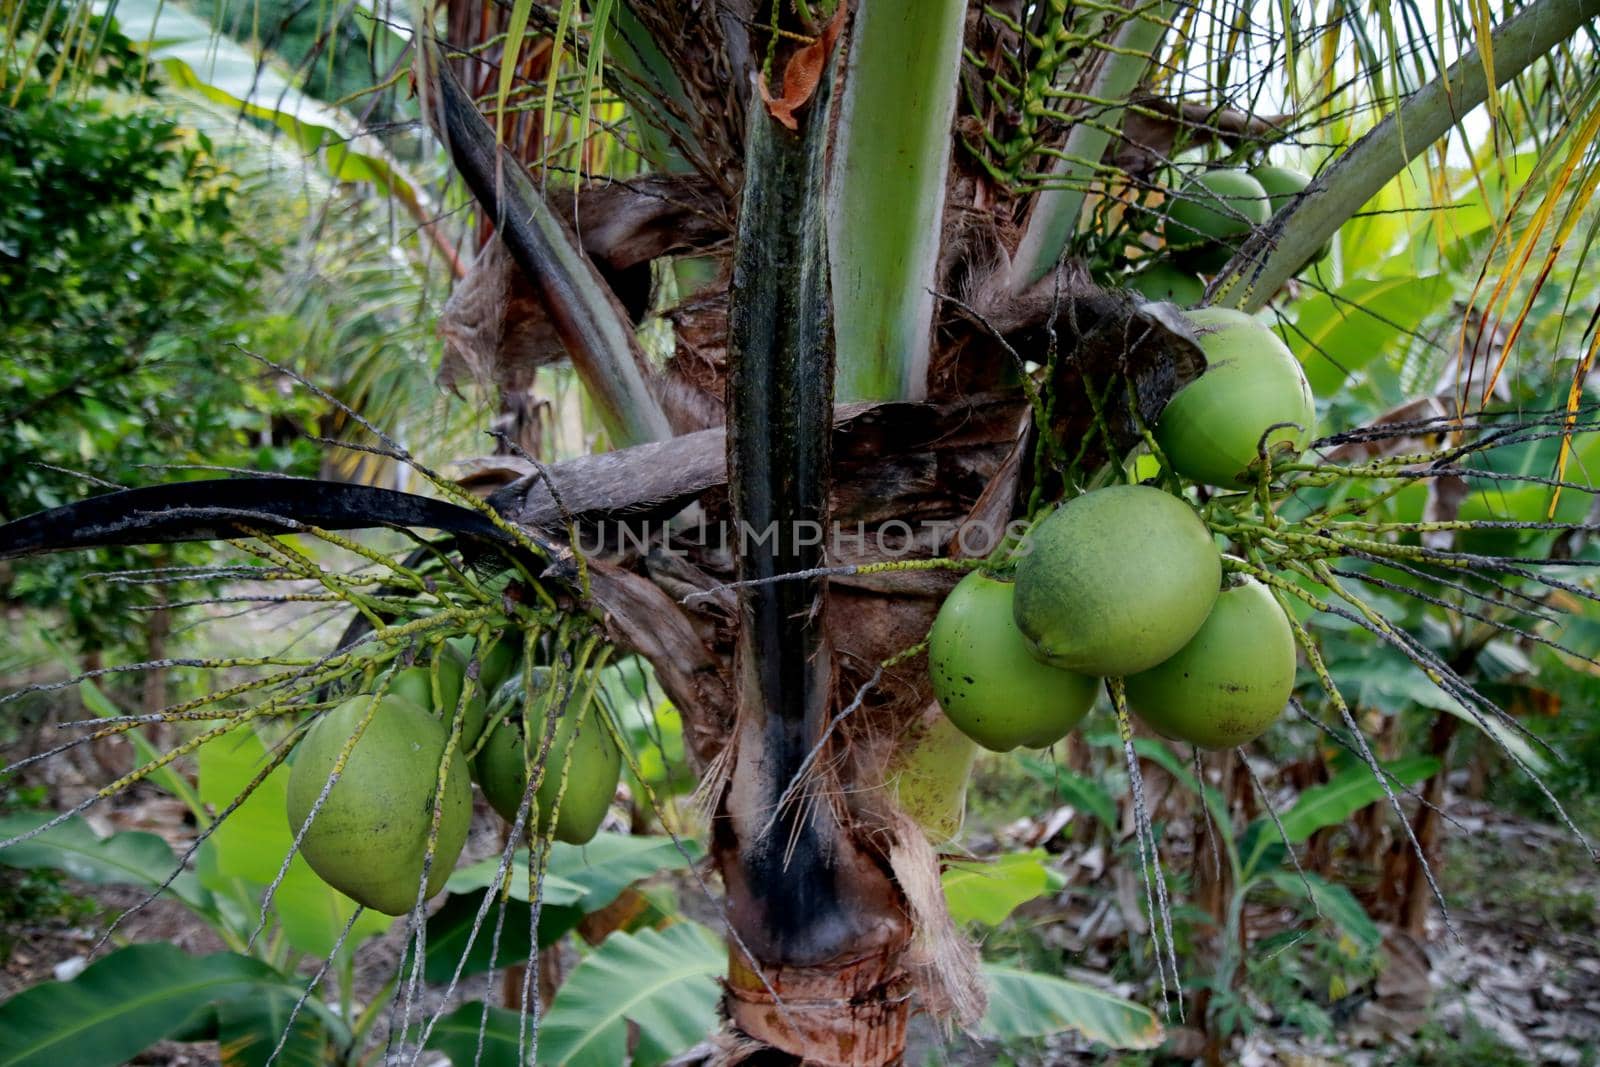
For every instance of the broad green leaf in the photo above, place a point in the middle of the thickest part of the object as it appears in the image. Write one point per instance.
(988, 892)
(480, 875)
(456, 1036)
(663, 982)
(1025, 1004)
(250, 845)
(451, 925)
(612, 862)
(1081, 792)
(1336, 334)
(590, 876)
(1349, 792)
(1335, 902)
(249, 1029)
(580, 879)
(1377, 228)
(174, 783)
(131, 857)
(124, 1003)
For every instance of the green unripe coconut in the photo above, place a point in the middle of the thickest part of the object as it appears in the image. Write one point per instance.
(1228, 684)
(986, 681)
(929, 775)
(1211, 215)
(1283, 184)
(593, 772)
(1116, 580)
(1211, 429)
(416, 685)
(1163, 281)
(502, 659)
(500, 768)
(370, 837)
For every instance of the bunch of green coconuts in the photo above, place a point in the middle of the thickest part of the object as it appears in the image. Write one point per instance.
(369, 839)
(1120, 582)
(1127, 582)
(1206, 221)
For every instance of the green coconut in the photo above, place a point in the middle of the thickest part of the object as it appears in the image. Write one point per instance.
(1230, 682)
(1211, 215)
(370, 836)
(1163, 281)
(592, 774)
(986, 681)
(1116, 580)
(416, 685)
(502, 659)
(1211, 429)
(929, 775)
(413, 684)
(1283, 184)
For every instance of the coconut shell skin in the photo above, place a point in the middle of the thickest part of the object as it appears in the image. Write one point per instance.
(500, 769)
(1283, 184)
(370, 837)
(1211, 428)
(416, 685)
(502, 659)
(592, 776)
(1116, 580)
(988, 683)
(1211, 215)
(1163, 281)
(1231, 682)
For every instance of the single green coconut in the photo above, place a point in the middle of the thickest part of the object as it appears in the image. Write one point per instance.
(1283, 184)
(500, 768)
(1116, 580)
(370, 837)
(1211, 215)
(1211, 429)
(416, 685)
(592, 774)
(1163, 281)
(413, 684)
(929, 774)
(986, 681)
(1230, 682)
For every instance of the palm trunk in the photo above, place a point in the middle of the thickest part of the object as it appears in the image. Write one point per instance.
(814, 921)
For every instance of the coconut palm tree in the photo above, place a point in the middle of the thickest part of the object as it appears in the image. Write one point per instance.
(899, 233)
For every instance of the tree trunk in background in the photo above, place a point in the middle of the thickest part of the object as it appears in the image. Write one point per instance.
(1416, 898)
